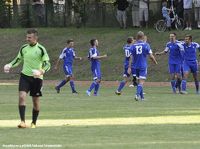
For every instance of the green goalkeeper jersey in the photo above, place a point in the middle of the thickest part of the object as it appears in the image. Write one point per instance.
(33, 57)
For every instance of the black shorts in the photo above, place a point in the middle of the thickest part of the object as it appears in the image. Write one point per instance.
(34, 85)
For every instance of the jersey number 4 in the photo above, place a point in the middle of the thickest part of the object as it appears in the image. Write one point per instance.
(138, 49)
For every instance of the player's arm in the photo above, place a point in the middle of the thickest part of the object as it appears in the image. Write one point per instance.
(153, 58)
(163, 52)
(14, 63)
(99, 57)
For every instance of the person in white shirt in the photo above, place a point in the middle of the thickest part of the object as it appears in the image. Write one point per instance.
(143, 12)
(187, 5)
(197, 12)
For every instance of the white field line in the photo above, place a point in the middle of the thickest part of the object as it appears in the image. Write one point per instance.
(192, 119)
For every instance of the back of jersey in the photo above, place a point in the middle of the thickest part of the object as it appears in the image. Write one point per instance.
(139, 51)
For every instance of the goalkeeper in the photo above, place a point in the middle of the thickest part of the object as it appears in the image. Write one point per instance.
(35, 63)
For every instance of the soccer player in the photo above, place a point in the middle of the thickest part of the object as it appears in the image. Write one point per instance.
(127, 70)
(175, 60)
(190, 63)
(68, 56)
(139, 51)
(94, 58)
(35, 63)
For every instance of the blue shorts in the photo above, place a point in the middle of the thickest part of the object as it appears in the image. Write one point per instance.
(190, 66)
(68, 70)
(96, 72)
(174, 68)
(141, 73)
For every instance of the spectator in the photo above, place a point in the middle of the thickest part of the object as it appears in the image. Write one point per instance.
(187, 5)
(121, 12)
(143, 12)
(39, 10)
(135, 13)
(197, 12)
(179, 8)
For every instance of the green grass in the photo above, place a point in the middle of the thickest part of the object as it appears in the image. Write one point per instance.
(160, 102)
(111, 41)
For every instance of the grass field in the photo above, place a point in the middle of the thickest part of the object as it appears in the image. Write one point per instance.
(163, 121)
(111, 41)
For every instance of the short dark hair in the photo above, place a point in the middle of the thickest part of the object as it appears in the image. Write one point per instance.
(70, 40)
(130, 39)
(92, 41)
(173, 33)
(32, 31)
(190, 36)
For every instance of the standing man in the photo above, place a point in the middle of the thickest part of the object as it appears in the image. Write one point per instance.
(68, 56)
(190, 63)
(135, 13)
(197, 12)
(121, 12)
(94, 58)
(187, 5)
(127, 70)
(175, 60)
(139, 52)
(35, 63)
(144, 12)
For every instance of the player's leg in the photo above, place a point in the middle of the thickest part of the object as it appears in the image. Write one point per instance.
(72, 85)
(186, 70)
(98, 81)
(123, 82)
(64, 81)
(179, 74)
(141, 74)
(35, 92)
(194, 70)
(172, 70)
(92, 86)
(24, 87)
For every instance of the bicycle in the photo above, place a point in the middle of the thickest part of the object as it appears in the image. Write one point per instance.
(161, 25)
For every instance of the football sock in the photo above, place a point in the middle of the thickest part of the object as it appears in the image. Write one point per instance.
(178, 84)
(22, 109)
(34, 116)
(96, 88)
(197, 85)
(173, 83)
(135, 81)
(72, 86)
(121, 86)
(141, 93)
(139, 89)
(184, 82)
(92, 86)
(62, 83)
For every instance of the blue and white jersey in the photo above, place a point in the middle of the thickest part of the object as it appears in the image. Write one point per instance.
(139, 51)
(190, 51)
(67, 55)
(93, 52)
(176, 51)
(127, 53)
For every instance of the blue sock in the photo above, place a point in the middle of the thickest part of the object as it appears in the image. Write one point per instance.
(92, 86)
(173, 85)
(141, 93)
(96, 88)
(184, 83)
(62, 83)
(197, 85)
(139, 89)
(121, 86)
(72, 86)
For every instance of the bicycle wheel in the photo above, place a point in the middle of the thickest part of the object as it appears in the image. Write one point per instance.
(179, 24)
(161, 26)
